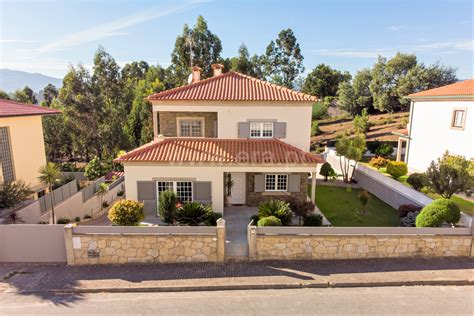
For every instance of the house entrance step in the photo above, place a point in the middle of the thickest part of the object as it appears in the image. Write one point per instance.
(233, 259)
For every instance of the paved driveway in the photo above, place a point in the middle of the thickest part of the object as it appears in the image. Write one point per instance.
(237, 219)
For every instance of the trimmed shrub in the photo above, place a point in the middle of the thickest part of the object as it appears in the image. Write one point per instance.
(378, 162)
(326, 170)
(63, 221)
(269, 221)
(418, 181)
(193, 213)
(437, 212)
(167, 206)
(397, 169)
(126, 213)
(211, 220)
(279, 209)
(313, 220)
(404, 209)
(384, 150)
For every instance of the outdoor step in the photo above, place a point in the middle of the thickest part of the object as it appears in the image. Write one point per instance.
(232, 259)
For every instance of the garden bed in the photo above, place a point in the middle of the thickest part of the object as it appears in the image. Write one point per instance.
(342, 207)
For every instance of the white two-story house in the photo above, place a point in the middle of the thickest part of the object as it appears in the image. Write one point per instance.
(441, 120)
(230, 128)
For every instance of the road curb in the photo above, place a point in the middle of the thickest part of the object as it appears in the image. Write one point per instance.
(236, 287)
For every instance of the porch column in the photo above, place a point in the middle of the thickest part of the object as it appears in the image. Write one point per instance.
(407, 145)
(313, 187)
(399, 149)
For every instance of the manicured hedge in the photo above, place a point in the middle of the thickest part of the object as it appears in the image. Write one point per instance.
(397, 169)
(437, 212)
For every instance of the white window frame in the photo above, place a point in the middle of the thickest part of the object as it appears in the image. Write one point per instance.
(463, 118)
(261, 129)
(181, 120)
(174, 188)
(277, 177)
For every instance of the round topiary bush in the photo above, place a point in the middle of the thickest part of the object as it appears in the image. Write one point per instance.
(313, 220)
(126, 213)
(439, 211)
(269, 221)
(397, 169)
(326, 170)
(418, 181)
(277, 208)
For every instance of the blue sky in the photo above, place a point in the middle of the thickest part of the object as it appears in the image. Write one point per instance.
(46, 36)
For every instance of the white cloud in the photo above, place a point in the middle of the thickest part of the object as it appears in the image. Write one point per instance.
(395, 28)
(111, 28)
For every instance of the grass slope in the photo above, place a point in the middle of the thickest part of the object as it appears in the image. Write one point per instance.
(341, 208)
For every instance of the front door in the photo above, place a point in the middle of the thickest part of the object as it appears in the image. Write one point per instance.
(238, 188)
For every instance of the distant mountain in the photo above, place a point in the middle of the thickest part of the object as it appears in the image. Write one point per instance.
(11, 80)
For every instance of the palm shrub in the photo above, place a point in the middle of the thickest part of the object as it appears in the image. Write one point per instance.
(193, 213)
(167, 206)
(211, 220)
(277, 208)
(126, 213)
(49, 175)
(397, 169)
(13, 194)
(269, 221)
(437, 212)
(313, 220)
(418, 181)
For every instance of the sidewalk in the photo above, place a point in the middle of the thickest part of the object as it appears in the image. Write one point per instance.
(29, 279)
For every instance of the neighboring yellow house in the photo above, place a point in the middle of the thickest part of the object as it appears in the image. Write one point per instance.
(22, 150)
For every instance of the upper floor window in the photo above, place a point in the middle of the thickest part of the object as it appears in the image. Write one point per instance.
(191, 127)
(261, 129)
(459, 118)
(276, 182)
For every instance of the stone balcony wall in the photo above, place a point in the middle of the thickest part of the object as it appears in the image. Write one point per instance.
(285, 247)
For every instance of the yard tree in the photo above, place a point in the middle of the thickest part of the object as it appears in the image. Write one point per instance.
(25, 96)
(57, 136)
(450, 175)
(350, 148)
(49, 175)
(283, 59)
(199, 42)
(136, 70)
(49, 94)
(4, 95)
(354, 97)
(323, 81)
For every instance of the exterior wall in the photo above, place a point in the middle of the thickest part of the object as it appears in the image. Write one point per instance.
(130, 249)
(296, 116)
(256, 198)
(431, 132)
(32, 243)
(168, 122)
(27, 146)
(213, 173)
(359, 246)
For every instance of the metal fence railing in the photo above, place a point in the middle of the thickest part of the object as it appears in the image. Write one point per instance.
(60, 194)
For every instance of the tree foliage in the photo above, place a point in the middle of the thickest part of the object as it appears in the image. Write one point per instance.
(50, 92)
(350, 148)
(13, 194)
(323, 81)
(25, 96)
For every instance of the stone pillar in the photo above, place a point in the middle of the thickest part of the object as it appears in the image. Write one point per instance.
(68, 242)
(313, 187)
(155, 125)
(252, 241)
(399, 149)
(220, 240)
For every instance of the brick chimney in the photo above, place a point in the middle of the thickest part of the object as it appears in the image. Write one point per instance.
(217, 68)
(196, 74)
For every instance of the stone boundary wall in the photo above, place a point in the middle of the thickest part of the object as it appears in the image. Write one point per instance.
(107, 245)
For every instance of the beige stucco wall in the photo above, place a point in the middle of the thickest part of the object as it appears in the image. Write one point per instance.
(356, 246)
(296, 115)
(27, 145)
(214, 173)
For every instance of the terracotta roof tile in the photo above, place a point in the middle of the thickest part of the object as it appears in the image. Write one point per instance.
(215, 150)
(233, 86)
(10, 108)
(459, 89)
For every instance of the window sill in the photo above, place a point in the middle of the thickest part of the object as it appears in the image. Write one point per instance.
(276, 193)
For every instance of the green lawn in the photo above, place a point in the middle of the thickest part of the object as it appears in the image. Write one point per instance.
(341, 208)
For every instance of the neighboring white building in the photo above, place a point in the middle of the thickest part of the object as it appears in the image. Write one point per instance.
(228, 127)
(441, 120)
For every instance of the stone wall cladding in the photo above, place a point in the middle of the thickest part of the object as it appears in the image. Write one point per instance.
(256, 198)
(145, 249)
(286, 247)
(168, 122)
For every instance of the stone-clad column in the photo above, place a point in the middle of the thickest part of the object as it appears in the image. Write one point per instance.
(69, 247)
(220, 240)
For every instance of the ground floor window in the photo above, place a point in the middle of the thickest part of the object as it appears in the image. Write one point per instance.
(276, 182)
(183, 189)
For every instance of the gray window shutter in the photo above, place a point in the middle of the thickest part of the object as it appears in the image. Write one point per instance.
(147, 194)
(259, 183)
(294, 182)
(244, 129)
(202, 192)
(279, 130)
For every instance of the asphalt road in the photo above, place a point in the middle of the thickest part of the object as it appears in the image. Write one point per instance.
(382, 300)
